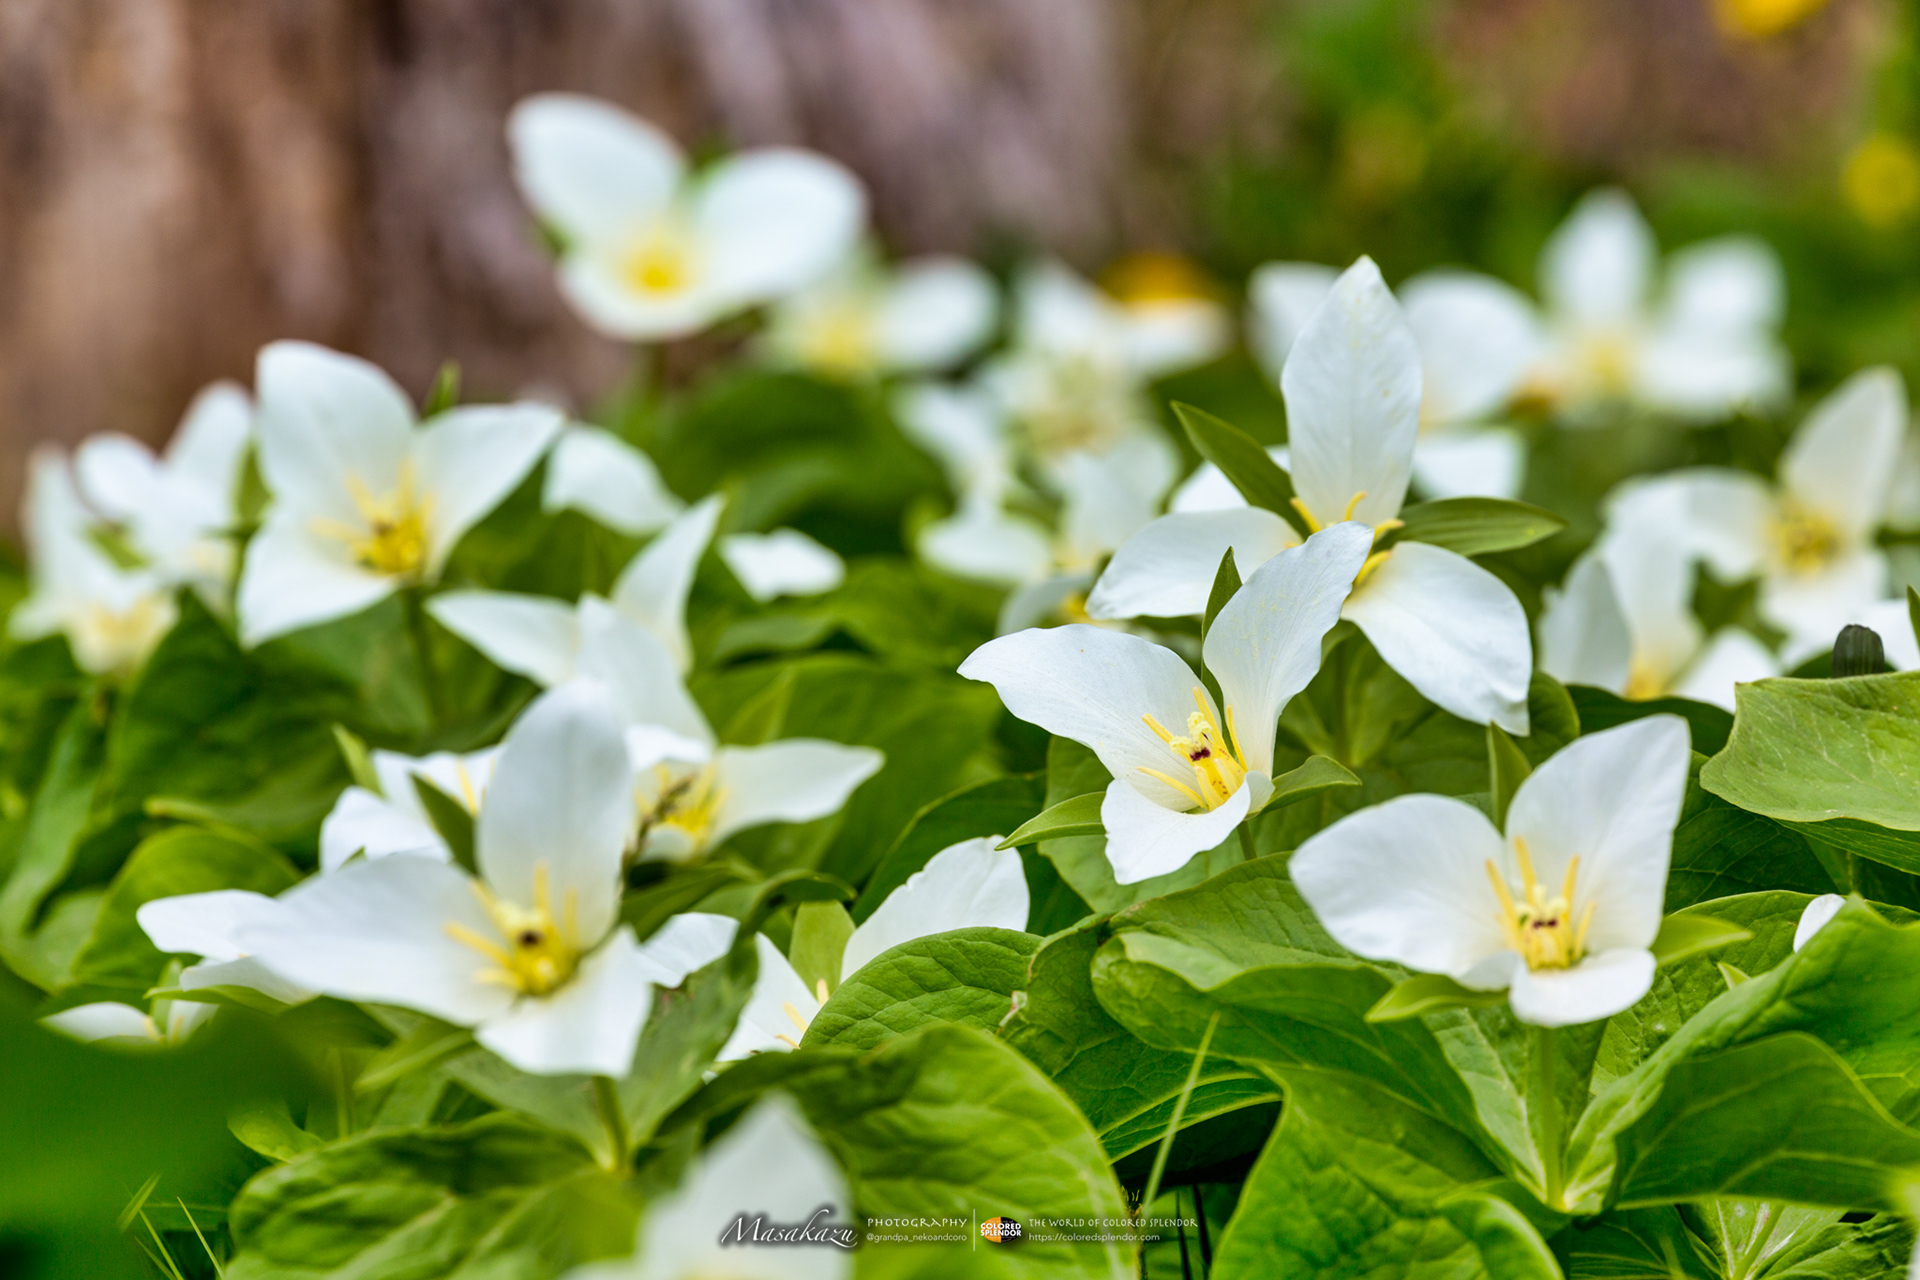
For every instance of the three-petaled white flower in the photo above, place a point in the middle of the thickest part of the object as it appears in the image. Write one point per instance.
(1561, 910)
(529, 954)
(364, 502)
(1179, 790)
(769, 1166)
(864, 320)
(394, 819)
(649, 253)
(1352, 386)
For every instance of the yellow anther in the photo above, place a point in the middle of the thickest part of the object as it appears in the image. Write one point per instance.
(392, 536)
(684, 808)
(536, 951)
(660, 261)
(1313, 525)
(1214, 757)
(1543, 930)
(1806, 539)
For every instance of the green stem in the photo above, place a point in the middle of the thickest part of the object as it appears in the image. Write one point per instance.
(607, 1095)
(423, 651)
(1246, 843)
(1543, 1107)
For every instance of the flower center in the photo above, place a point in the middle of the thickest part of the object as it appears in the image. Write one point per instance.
(1608, 360)
(1806, 539)
(840, 340)
(1644, 681)
(108, 639)
(392, 539)
(1214, 757)
(660, 262)
(676, 823)
(1380, 530)
(537, 951)
(1543, 930)
(1081, 405)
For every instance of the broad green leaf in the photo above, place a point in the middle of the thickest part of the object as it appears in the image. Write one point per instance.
(1260, 480)
(1720, 850)
(1429, 993)
(1356, 1183)
(1079, 816)
(820, 933)
(895, 609)
(453, 820)
(1226, 581)
(494, 1196)
(1507, 768)
(177, 861)
(1307, 780)
(1634, 1244)
(670, 888)
(36, 944)
(1750, 1238)
(1477, 526)
(1600, 709)
(989, 808)
(1690, 934)
(966, 976)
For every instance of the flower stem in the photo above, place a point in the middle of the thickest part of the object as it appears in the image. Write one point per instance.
(607, 1094)
(1544, 1115)
(1246, 843)
(415, 603)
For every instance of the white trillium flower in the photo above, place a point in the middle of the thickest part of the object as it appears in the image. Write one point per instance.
(393, 820)
(1810, 538)
(1352, 387)
(364, 502)
(210, 926)
(1706, 348)
(177, 510)
(112, 1023)
(540, 637)
(112, 616)
(770, 1166)
(1175, 794)
(1561, 910)
(785, 562)
(529, 954)
(651, 253)
(593, 471)
(1816, 917)
(864, 320)
(1623, 620)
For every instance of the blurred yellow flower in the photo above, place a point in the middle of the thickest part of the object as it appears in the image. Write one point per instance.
(1881, 179)
(1155, 277)
(1757, 19)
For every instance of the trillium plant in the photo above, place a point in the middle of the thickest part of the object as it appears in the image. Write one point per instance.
(949, 770)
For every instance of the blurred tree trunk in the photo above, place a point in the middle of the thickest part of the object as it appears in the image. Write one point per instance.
(183, 180)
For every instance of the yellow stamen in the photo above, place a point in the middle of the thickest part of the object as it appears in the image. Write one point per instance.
(1215, 757)
(793, 1016)
(1541, 929)
(684, 809)
(820, 991)
(1313, 525)
(392, 538)
(1807, 541)
(659, 261)
(535, 952)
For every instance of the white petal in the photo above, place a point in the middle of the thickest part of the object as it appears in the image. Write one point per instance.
(1583, 632)
(1111, 496)
(1208, 488)
(1162, 335)
(1648, 548)
(1724, 516)
(1352, 386)
(793, 780)
(774, 219)
(1841, 460)
(589, 1025)
(640, 676)
(1600, 986)
(293, 579)
(534, 636)
(766, 1025)
(1470, 464)
(588, 167)
(331, 426)
(1705, 375)
(1166, 570)
(1452, 629)
(204, 924)
(1407, 881)
(1282, 297)
(1096, 687)
(118, 474)
(984, 543)
(559, 809)
(687, 942)
(103, 1020)
(1596, 268)
(785, 562)
(1812, 607)
(1146, 838)
(1893, 623)
(1038, 603)
(249, 972)
(1815, 917)
(591, 470)
(771, 1164)
(653, 588)
(1265, 645)
(362, 822)
(1611, 799)
(965, 886)
(965, 428)
(1477, 336)
(1060, 312)
(1731, 658)
(378, 931)
(211, 444)
(1731, 284)
(937, 311)
(472, 457)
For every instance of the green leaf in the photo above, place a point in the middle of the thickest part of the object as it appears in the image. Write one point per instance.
(1507, 768)
(445, 391)
(1260, 480)
(1836, 759)
(426, 1044)
(791, 888)
(1477, 526)
(359, 760)
(453, 820)
(1079, 816)
(37, 944)
(988, 808)
(1600, 709)
(177, 861)
(1226, 581)
(270, 1131)
(1429, 993)
(1319, 774)
(820, 933)
(1719, 850)
(494, 1196)
(1357, 1183)
(965, 976)
(1686, 935)
(677, 888)
(761, 718)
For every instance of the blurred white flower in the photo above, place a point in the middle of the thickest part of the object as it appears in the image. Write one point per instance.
(865, 320)
(1352, 387)
(394, 820)
(1176, 794)
(365, 502)
(1561, 911)
(210, 926)
(110, 1022)
(785, 562)
(650, 252)
(593, 471)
